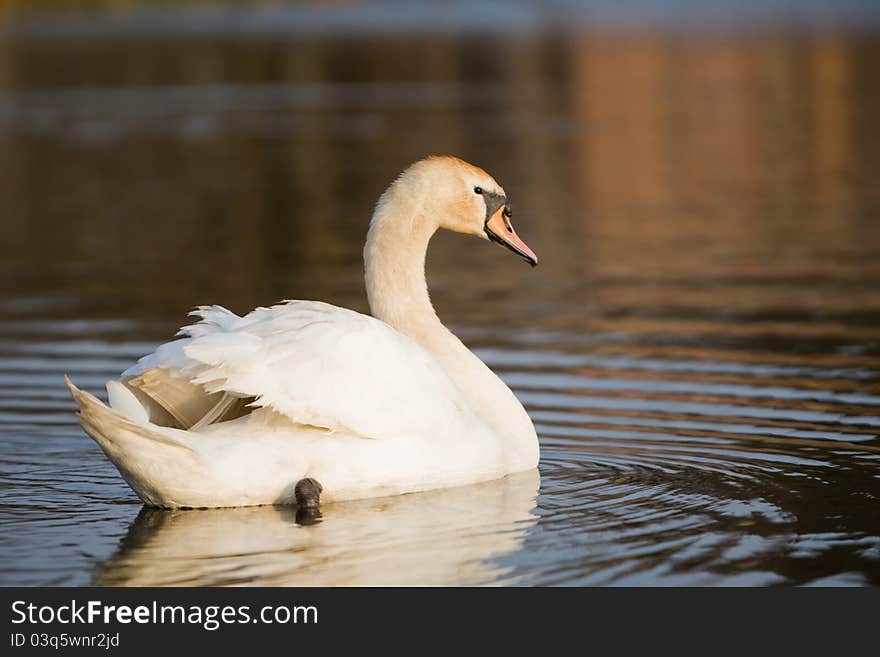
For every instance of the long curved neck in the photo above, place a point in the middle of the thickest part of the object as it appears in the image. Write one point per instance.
(394, 264)
(394, 259)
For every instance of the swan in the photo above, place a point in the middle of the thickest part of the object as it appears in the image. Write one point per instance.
(304, 402)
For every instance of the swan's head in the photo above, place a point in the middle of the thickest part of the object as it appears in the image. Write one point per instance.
(465, 199)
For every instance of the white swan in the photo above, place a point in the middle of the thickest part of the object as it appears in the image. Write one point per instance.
(242, 409)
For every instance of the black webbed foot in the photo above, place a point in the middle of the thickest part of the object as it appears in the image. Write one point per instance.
(308, 500)
(308, 492)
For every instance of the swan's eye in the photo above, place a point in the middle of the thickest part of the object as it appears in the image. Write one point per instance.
(507, 213)
(478, 190)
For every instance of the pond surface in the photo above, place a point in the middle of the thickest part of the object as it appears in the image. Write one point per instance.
(699, 348)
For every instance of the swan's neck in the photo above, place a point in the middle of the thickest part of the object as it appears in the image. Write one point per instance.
(394, 262)
(394, 258)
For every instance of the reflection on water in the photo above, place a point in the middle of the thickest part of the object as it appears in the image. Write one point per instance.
(449, 537)
(699, 349)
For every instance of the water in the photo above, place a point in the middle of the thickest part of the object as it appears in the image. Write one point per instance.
(699, 348)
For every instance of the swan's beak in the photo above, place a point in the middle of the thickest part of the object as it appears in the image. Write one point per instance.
(499, 229)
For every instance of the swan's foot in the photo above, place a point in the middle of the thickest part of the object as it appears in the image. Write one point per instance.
(308, 493)
(308, 501)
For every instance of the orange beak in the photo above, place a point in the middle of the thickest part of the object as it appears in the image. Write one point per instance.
(499, 229)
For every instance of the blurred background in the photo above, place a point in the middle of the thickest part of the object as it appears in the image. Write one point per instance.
(699, 347)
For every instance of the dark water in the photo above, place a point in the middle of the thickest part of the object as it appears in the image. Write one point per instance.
(699, 348)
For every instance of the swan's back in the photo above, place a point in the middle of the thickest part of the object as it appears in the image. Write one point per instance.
(311, 362)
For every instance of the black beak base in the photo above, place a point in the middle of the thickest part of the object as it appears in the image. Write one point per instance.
(494, 202)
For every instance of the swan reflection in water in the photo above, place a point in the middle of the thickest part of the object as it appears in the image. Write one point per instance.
(451, 536)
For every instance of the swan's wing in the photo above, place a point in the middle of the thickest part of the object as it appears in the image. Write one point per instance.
(314, 363)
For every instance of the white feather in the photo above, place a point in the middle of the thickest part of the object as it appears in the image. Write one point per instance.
(123, 401)
(329, 367)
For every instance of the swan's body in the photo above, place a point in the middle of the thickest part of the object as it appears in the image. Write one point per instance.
(241, 408)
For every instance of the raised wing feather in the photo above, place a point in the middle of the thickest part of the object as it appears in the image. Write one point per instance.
(317, 364)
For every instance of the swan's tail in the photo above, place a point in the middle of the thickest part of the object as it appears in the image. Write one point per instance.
(148, 457)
